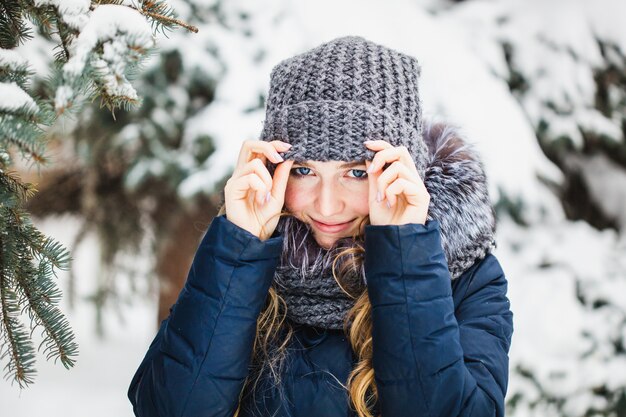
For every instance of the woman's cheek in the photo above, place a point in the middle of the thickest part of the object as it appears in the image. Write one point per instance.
(294, 196)
(360, 197)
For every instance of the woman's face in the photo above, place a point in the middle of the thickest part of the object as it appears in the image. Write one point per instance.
(330, 192)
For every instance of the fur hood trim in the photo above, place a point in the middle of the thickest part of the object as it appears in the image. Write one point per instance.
(459, 199)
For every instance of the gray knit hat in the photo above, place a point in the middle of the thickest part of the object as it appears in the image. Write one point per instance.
(328, 100)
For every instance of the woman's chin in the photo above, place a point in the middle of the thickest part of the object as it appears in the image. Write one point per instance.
(324, 242)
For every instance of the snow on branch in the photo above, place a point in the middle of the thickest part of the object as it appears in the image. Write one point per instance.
(113, 40)
(73, 12)
(103, 43)
(12, 98)
(11, 60)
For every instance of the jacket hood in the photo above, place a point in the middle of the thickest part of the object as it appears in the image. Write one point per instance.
(456, 181)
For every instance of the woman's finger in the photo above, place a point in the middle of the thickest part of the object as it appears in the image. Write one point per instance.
(408, 189)
(241, 187)
(263, 150)
(386, 153)
(258, 167)
(281, 177)
(396, 170)
(373, 187)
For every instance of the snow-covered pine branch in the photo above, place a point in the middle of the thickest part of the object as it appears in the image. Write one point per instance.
(101, 45)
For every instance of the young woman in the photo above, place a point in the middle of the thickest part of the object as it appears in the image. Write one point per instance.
(346, 277)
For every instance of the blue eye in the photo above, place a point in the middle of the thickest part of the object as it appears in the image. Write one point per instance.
(298, 173)
(362, 172)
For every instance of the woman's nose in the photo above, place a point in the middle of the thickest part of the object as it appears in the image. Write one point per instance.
(329, 200)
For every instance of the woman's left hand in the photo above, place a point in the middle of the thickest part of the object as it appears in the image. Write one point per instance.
(397, 195)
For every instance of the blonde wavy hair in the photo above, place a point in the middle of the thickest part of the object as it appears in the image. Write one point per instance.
(273, 330)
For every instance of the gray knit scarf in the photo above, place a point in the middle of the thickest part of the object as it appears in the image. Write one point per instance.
(456, 182)
(304, 277)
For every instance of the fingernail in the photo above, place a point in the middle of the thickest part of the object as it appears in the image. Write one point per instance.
(388, 205)
(288, 145)
(277, 156)
(378, 197)
(370, 169)
(267, 196)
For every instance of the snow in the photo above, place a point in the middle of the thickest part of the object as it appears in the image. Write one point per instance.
(121, 30)
(550, 323)
(37, 52)
(606, 19)
(12, 98)
(606, 181)
(598, 123)
(143, 170)
(96, 386)
(556, 51)
(108, 22)
(73, 7)
(73, 12)
(63, 97)
(12, 60)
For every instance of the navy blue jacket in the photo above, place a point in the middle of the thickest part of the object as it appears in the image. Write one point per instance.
(440, 346)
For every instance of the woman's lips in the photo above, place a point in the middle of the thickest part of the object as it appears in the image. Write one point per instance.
(331, 228)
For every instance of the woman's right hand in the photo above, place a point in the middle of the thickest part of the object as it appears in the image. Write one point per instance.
(253, 199)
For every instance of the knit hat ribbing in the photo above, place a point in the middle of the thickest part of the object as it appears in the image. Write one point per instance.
(328, 100)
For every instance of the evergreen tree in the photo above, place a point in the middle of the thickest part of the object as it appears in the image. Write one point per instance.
(101, 45)
(569, 79)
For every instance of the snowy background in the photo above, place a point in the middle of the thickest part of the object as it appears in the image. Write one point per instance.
(567, 278)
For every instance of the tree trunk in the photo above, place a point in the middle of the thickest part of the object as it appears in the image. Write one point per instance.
(176, 254)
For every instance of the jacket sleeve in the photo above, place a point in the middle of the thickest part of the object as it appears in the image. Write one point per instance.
(198, 361)
(428, 359)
